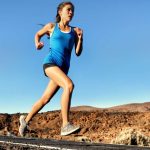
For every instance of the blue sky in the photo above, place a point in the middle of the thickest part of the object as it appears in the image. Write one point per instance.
(113, 69)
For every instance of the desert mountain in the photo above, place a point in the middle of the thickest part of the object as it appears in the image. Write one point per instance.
(133, 107)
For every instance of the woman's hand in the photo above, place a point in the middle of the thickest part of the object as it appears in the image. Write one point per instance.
(47, 29)
(78, 41)
(39, 45)
(79, 33)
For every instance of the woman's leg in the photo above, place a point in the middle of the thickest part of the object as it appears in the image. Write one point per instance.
(50, 91)
(61, 79)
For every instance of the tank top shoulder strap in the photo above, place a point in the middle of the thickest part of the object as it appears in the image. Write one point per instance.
(72, 29)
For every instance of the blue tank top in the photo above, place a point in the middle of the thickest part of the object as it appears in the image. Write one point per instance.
(61, 45)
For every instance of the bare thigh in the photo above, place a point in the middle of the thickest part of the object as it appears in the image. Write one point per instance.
(58, 76)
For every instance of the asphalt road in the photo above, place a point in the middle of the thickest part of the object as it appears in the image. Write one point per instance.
(19, 143)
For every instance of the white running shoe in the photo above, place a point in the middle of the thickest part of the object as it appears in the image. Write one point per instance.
(68, 129)
(23, 125)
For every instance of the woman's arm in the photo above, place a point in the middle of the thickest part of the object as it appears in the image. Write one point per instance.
(78, 41)
(47, 29)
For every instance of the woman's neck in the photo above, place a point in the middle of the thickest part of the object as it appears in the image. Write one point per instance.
(64, 26)
(64, 23)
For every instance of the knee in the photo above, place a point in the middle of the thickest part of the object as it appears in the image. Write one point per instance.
(69, 86)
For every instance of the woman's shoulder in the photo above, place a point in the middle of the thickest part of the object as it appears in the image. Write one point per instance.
(77, 29)
(50, 26)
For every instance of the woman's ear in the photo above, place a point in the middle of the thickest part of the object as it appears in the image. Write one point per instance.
(59, 12)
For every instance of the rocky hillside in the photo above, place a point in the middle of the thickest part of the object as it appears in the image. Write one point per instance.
(97, 124)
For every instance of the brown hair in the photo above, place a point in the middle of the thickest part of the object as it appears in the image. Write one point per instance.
(60, 7)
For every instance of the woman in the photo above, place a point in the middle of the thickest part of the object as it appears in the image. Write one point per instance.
(56, 64)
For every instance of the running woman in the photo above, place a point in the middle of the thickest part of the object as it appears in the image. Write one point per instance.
(56, 65)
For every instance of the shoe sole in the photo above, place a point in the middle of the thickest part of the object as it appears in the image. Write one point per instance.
(67, 133)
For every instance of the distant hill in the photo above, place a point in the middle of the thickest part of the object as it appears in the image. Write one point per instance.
(85, 108)
(140, 107)
(133, 107)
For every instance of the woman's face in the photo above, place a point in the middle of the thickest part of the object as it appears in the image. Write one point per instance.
(67, 13)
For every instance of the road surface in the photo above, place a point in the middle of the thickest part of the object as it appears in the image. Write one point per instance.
(19, 143)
